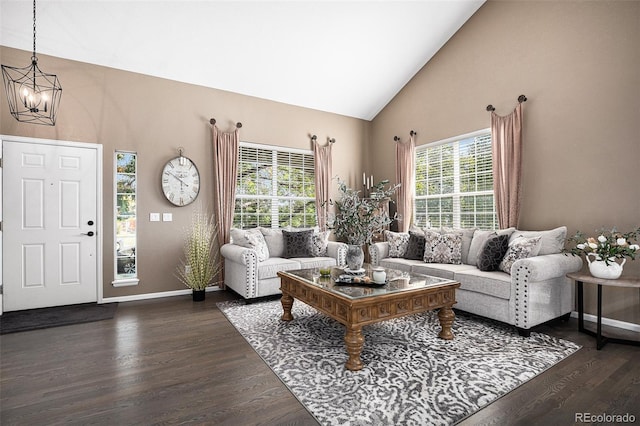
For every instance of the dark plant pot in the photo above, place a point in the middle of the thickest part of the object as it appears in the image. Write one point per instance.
(198, 295)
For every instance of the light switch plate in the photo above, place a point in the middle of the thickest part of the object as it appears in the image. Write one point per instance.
(154, 217)
(167, 217)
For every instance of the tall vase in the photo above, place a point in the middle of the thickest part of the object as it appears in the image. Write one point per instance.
(355, 257)
(600, 269)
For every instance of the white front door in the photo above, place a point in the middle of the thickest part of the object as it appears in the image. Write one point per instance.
(50, 206)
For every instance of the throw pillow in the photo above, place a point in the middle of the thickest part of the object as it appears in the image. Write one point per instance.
(398, 243)
(319, 243)
(442, 248)
(519, 248)
(493, 252)
(253, 239)
(415, 246)
(467, 237)
(479, 238)
(552, 241)
(297, 243)
(275, 241)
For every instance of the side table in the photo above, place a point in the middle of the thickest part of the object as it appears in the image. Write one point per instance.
(581, 278)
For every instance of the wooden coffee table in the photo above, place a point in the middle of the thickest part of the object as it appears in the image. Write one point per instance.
(357, 305)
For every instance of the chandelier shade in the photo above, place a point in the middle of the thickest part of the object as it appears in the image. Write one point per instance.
(33, 95)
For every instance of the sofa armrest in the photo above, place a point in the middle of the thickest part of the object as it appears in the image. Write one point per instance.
(377, 252)
(546, 267)
(238, 254)
(338, 251)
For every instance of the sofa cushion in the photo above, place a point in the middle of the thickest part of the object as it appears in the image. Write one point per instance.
(270, 267)
(492, 283)
(552, 241)
(442, 248)
(442, 270)
(493, 252)
(253, 239)
(319, 243)
(519, 248)
(467, 237)
(479, 237)
(275, 241)
(316, 262)
(398, 243)
(415, 247)
(399, 263)
(297, 243)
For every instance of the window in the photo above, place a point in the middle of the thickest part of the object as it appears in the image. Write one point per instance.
(125, 219)
(275, 187)
(454, 183)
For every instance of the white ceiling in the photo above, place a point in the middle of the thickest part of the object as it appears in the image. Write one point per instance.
(349, 58)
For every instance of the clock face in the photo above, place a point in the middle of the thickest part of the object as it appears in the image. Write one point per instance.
(180, 181)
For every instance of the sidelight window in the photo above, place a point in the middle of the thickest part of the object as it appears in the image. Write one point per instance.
(125, 243)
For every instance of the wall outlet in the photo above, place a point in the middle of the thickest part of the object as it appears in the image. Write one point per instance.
(167, 217)
(154, 217)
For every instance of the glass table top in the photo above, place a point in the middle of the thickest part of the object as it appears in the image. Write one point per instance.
(397, 281)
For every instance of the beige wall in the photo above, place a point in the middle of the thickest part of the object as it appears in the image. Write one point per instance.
(579, 65)
(153, 116)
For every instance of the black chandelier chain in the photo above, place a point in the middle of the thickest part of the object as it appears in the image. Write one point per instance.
(34, 58)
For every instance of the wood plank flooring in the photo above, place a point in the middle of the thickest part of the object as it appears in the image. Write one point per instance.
(173, 361)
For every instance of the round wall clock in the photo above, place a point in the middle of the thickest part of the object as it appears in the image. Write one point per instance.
(180, 181)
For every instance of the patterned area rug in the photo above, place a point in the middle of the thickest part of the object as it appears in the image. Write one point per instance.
(410, 377)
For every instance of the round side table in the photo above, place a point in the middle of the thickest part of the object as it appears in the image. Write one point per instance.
(581, 278)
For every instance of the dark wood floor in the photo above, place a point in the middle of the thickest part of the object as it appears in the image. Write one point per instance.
(173, 361)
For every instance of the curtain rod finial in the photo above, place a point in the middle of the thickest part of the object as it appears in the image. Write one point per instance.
(212, 121)
(413, 133)
(396, 138)
(490, 108)
(332, 140)
(314, 138)
(239, 125)
(522, 98)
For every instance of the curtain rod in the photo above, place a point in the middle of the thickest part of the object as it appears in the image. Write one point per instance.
(521, 99)
(411, 133)
(213, 121)
(314, 138)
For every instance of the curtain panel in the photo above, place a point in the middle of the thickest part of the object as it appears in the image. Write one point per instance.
(405, 176)
(323, 166)
(506, 135)
(225, 163)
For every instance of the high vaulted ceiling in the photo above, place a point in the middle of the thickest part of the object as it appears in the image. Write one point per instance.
(349, 58)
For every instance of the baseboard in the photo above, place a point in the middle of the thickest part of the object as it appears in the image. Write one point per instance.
(610, 322)
(158, 295)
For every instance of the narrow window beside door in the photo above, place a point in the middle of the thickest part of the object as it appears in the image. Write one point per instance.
(125, 219)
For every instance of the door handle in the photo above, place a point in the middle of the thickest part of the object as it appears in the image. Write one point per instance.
(90, 233)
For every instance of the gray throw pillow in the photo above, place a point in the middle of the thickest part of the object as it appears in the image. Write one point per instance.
(493, 252)
(415, 247)
(552, 241)
(297, 244)
(479, 238)
(519, 248)
(442, 248)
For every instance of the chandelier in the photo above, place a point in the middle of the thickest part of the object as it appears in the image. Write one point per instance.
(33, 95)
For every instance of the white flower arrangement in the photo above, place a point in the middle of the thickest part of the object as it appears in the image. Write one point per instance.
(608, 246)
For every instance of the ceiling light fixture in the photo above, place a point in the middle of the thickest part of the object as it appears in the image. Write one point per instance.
(33, 95)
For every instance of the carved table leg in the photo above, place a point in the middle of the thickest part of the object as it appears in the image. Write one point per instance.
(446, 317)
(287, 303)
(354, 341)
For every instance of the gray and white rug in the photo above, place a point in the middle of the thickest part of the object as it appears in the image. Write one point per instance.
(410, 376)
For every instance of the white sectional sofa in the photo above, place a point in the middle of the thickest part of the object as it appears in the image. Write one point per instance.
(254, 257)
(534, 291)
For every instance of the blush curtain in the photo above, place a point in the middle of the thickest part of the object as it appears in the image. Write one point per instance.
(506, 135)
(323, 165)
(405, 176)
(225, 161)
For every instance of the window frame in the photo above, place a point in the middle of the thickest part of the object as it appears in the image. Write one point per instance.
(457, 194)
(120, 280)
(274, 198)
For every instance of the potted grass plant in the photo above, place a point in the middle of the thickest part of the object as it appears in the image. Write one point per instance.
(201, 264)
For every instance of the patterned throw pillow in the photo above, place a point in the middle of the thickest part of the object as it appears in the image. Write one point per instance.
(415, 247)
(519, 248)
(493, 252)
(442, 248)
(297, 243)
(253, 239)
(398, 243)
(319, 243)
